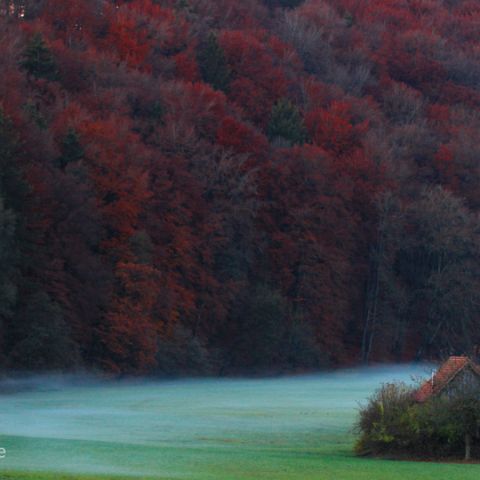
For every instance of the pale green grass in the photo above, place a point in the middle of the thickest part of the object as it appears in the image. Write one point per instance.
(279, 429)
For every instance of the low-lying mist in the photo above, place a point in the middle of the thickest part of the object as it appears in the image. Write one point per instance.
(82, 424)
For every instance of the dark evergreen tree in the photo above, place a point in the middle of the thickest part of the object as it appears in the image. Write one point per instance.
(71, 149)
(283, 3)
(259, 343)
(12, 186)
(213, 64)
(37, 59)
(43, 338)
(287, 123)
(12, 190)
(8, 261)
(183, 5)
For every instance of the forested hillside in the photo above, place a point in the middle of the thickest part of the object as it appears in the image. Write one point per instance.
(217, 186)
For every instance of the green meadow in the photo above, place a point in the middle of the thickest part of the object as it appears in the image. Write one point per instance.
(279, 428)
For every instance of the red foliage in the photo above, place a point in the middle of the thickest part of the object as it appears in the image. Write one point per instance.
(173, 206)
(130, 40)
(310, 224)
(120, 179)
(241, 138)
(186, 66)
(333, 130)
(130, 332)
(257, 83)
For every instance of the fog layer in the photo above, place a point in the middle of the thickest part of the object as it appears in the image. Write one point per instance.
(172, 428)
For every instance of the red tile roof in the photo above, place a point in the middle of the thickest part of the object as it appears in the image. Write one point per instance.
(443, 376)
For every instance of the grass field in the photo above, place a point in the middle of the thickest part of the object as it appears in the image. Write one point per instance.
(289, 428)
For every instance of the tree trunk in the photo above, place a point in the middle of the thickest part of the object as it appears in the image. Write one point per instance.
(373, 290)
(468, 446)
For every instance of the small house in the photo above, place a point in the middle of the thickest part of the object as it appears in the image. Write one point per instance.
(457, 375)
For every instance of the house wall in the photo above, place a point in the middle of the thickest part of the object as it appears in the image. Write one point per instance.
(466, 380)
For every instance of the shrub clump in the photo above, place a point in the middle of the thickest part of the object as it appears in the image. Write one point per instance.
(393, 424)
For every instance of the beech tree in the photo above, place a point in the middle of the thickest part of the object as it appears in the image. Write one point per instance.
(440, 262)
(424, 261)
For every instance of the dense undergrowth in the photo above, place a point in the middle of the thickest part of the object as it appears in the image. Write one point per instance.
(393, 424)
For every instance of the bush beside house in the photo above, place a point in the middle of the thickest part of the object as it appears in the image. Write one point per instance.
(396, 422)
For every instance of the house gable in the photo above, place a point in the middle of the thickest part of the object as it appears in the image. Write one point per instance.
(456, 375)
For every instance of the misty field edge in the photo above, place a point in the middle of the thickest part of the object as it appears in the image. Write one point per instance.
(280, 429)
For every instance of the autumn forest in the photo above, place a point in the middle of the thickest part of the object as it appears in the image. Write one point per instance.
(221, 186)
